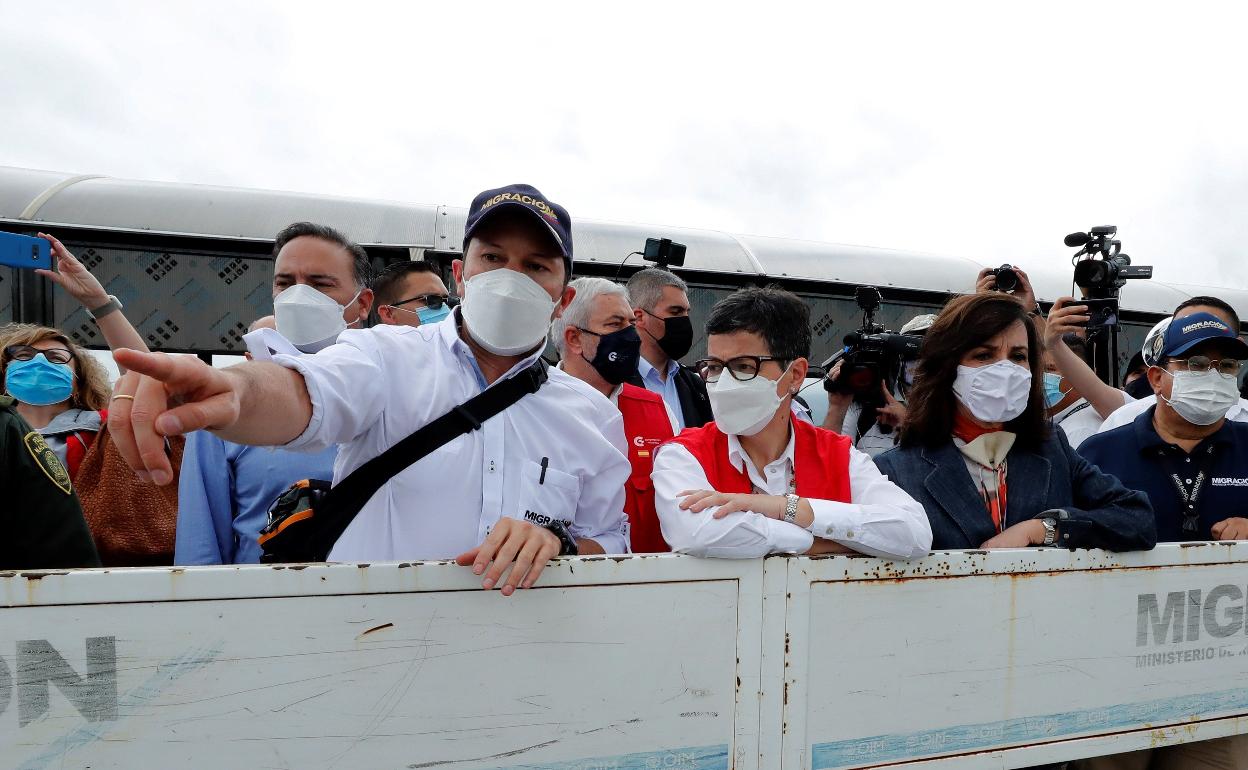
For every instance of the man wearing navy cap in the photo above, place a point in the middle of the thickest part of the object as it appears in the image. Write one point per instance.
(544, 477)
(1192, 462)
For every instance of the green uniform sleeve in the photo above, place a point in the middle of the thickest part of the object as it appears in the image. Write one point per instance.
(41, 519)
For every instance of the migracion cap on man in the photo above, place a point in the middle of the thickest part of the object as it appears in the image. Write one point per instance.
(523, 197)
(1185, 333)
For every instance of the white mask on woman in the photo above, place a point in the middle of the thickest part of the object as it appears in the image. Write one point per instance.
(506, 311)
(994, 393)
(1202, 398)
(743, 408)
(310, 319)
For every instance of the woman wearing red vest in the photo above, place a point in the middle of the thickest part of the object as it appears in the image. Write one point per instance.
(756, 481)
(597, 342)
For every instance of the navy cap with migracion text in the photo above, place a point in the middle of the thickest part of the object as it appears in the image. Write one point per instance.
(522, 197)
(1189, 331)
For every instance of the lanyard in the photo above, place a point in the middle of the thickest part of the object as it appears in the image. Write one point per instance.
(1189, 485)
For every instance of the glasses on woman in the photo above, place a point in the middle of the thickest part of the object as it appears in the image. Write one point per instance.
(1228, 367)
(26, 352)
(742, 368)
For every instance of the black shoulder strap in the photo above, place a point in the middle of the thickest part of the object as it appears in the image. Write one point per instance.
(349, 496)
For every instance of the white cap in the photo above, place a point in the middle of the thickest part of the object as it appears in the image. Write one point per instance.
(918, 324)
(1155, 342)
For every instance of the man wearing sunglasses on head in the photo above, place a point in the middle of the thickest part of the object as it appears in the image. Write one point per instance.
(758, 480)
(411, 294)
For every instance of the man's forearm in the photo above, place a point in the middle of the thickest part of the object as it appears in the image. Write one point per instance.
(274, 405)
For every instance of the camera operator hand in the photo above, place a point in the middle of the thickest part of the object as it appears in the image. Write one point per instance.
(838, 403)
(1068, 316)
(986, 281)
(893, 413)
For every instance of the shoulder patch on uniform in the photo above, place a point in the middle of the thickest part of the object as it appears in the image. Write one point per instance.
(45, 458)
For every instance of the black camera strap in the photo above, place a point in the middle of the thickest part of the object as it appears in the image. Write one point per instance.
(348, 497)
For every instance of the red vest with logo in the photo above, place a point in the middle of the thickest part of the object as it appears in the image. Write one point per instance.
(646, 425)
(820, 461)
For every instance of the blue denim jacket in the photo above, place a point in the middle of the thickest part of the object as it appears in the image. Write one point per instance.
(1102, 512)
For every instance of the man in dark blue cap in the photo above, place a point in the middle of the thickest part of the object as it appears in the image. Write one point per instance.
(542, 478)
(1190, 460)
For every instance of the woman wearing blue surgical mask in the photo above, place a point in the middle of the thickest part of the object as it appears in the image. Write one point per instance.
(978, 452)
(59, 388)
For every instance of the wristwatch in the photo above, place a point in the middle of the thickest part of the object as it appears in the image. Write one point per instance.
(1050, 531)
(1049, 519)
(567, 543)
(790, 508)
(113, 304)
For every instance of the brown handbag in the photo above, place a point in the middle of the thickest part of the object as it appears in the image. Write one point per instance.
(132, 523)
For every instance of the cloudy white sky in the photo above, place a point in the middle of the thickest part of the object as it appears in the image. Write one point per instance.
(988, 130)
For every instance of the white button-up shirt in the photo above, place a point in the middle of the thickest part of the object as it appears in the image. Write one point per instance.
(376, 386)
(881, 520)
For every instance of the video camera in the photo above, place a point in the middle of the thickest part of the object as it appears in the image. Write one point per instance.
(1101, 269)
(871, 355)
(1100, 265)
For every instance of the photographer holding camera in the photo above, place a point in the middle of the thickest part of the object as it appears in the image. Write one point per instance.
(873, 425)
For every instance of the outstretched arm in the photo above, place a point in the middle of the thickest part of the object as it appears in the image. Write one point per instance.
(256, 403)
(74, 277)
(1066, 317)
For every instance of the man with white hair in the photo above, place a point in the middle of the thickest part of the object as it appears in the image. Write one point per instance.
(598, 343)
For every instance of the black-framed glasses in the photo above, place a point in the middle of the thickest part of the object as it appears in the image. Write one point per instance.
(1224, 366)
(431, 301)
(742, 368)
(26, 352)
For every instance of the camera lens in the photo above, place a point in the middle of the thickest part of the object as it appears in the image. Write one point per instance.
(1007, 279)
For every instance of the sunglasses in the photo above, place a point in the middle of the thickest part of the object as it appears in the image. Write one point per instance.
(431, 301)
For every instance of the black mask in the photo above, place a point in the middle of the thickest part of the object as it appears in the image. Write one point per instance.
(678, 337)
(616, 359)
(1139, 388)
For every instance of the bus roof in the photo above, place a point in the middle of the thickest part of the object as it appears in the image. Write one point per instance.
(33, 198)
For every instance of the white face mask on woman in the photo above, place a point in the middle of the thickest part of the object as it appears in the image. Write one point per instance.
(310, 319)
(1202, 398)
(994, 393)
(743, 408)
(506, 311)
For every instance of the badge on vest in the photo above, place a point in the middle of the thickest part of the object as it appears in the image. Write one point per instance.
(45, 458)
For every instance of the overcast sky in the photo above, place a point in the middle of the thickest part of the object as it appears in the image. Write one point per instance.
(985, 130)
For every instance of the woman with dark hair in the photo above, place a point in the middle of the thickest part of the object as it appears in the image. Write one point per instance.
(978, 452)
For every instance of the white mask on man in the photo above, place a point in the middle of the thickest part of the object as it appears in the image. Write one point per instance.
(1202, 398)
(506, 312)
(310, 319)
(743, 408)
(994, 393)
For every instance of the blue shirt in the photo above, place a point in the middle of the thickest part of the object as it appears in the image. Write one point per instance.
(1144, 461)
(224, 493)
(667, 389)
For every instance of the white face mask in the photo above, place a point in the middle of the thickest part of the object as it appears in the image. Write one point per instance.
(743, 408)
(994, 393)
(1202, 398)
(506, 311)
(310, 319)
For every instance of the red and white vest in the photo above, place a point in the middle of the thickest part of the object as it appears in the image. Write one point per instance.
(646, 425)
(820, 461)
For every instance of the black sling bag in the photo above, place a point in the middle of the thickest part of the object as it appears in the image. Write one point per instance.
(308, 518)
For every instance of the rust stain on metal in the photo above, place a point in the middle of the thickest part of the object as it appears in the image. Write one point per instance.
(786, 693)
(40, 575)
(297, 567)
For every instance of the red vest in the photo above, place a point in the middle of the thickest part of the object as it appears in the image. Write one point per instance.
(646, 425)
(77, 444)
(820, 461)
